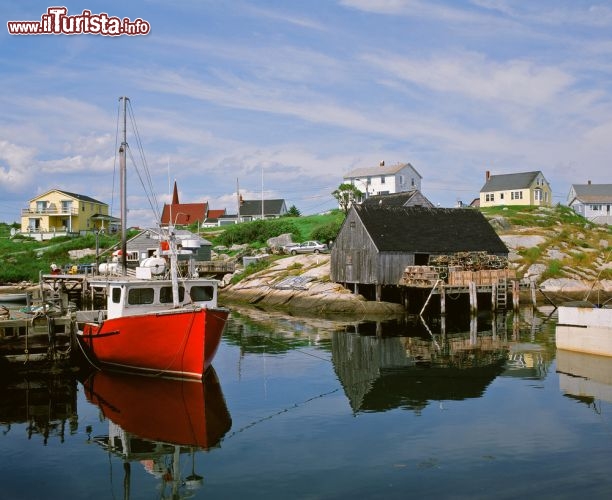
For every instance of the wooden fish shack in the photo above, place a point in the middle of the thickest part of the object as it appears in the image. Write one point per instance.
(40, 335)
(409, 254)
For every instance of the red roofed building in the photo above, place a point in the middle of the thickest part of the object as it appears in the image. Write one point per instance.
(183, 214)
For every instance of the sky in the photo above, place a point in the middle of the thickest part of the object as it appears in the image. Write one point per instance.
(283, 98)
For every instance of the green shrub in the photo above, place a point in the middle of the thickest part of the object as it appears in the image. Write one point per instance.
(258, 231)
(327, 232)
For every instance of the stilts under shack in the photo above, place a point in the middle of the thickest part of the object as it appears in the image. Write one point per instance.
(498, 284)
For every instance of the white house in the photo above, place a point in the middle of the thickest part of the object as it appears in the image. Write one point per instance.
(384, 179)
(592, 201)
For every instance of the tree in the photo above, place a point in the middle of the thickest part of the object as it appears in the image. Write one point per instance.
(346, 194)
(293, 211)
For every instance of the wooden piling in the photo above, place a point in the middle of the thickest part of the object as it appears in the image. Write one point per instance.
(442, 299)
(473, 297)
(515, 295)
(494, 297)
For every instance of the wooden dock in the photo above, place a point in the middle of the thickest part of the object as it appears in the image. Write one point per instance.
(501, 285)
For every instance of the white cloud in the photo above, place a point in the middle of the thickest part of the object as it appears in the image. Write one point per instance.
(474, 76)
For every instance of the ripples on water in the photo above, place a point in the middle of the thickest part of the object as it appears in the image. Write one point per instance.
(326, 408)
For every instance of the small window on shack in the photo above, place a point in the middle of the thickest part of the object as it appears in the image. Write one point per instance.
(421, 259)
(202, 293)
(116, 295)
(139, 296)
(165, 294)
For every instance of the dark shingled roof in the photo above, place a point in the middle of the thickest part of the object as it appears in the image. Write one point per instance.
(253, 207)
(391, 200)
(429, 230)
(81, 197)
(509, 181)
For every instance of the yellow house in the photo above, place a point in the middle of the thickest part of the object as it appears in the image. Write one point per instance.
(525, 188)
(60, 212)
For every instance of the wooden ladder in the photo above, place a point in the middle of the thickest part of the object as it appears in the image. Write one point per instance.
(502, 293)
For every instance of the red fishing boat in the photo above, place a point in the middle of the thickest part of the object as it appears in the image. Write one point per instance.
(155, 321)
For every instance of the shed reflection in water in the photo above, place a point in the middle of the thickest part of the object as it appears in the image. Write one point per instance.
(153, 420)
(383, 372)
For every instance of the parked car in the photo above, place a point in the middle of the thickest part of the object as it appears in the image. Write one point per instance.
(308, 247)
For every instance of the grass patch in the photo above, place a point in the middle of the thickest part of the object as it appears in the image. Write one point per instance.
(553, 270)
(251, 269)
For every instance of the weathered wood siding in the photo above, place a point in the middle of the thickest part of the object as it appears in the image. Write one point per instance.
(418, 200)
(391, 266)
(353, 255)
(355, 258)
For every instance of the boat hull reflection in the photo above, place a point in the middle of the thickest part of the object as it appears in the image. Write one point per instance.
(175, 411)
(586, 377)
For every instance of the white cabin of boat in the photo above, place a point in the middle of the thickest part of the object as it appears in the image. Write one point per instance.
(130, 297)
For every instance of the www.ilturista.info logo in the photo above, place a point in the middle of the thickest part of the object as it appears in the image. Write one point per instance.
(57, 22)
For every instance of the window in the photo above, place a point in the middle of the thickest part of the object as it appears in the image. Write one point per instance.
(369, 181)
(501, 196)
(139, 296)
(595, 208)
(165, 294)
(516, 195)
(382, 179)
(537, 194)
(116, 295)
(202, 293)
(412, 182)
(490, 197)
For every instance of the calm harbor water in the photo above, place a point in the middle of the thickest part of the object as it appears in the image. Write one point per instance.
(322, 408)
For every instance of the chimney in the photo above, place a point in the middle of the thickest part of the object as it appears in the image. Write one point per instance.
(382, 163)
(487, 175)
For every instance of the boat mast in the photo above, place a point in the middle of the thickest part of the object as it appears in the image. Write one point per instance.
(122, 188)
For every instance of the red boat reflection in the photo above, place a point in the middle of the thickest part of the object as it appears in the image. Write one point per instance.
(175, 411)
(155, 420)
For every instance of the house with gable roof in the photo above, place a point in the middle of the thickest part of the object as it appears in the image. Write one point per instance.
(376, 243)
(592, 201)
(58, 212)
(384, 179)
(251, 210)
(524, 188)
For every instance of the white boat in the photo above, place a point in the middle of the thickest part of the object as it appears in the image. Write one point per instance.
(584, 327)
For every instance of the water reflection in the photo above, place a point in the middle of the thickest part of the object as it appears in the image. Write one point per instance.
(154, 420)
(46, 404)
(585, 377)
(382, 373)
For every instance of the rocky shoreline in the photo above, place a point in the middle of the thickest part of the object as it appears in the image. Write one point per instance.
(301, 283)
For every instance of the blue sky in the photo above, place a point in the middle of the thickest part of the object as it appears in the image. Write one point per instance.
(300, 92)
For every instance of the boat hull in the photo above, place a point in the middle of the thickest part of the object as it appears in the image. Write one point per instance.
(179, 343)
(591, 340)
(584, 329)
